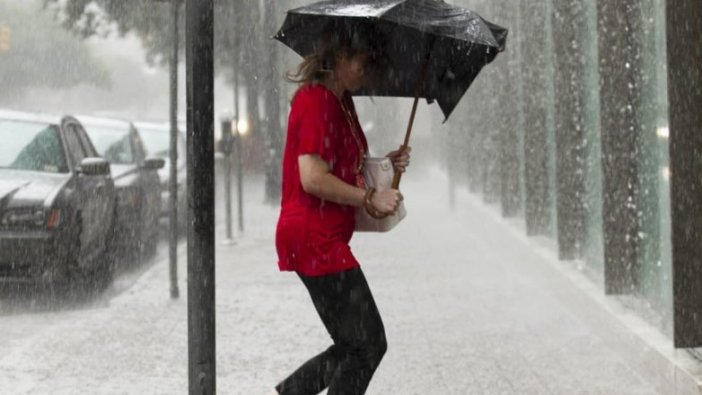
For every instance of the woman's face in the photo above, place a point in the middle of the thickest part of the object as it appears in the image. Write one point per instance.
(351, 71)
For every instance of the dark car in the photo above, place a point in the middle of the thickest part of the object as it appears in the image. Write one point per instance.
(136, 181)
(157, 141)
(56, 200)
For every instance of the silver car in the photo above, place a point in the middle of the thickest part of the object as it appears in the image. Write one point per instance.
(56, 201)
(156, 138)
(136, 182)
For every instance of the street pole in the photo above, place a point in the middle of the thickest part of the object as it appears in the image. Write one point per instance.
(173, 154)
(271, 97)
(239, 152)
(201, 215)
(227, 148)
(239, 180)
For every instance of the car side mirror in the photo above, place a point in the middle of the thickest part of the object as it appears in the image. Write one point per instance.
(94, 167)
(154, 163)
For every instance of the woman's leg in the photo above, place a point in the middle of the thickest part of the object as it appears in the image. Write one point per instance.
(312, 377)
(315, 374)
(360, 337)
(346, 306)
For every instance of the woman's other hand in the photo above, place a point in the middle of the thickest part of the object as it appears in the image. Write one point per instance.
(400, 158)
(387, 201)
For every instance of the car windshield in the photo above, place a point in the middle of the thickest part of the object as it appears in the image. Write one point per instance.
(31, 146)
(112, 143)
(156, 141)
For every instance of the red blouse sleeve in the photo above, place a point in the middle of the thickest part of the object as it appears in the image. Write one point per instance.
(316, 128)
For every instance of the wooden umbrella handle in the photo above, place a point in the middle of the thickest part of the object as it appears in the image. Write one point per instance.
(417, 92)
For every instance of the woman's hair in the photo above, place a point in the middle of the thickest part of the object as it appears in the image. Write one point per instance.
(322, 60)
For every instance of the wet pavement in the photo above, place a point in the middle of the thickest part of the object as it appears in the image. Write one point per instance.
(469, 305)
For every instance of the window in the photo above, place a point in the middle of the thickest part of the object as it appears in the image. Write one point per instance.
(87, 144)
(113, 144)
(156, 141)
(31, 146)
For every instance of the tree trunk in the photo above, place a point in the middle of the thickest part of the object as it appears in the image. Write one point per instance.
(620, 32)
(536, 78)
(684, 32)
(569, 35)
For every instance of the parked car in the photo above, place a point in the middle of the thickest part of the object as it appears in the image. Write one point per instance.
(157, 141)
(56, 200)
(136, 180)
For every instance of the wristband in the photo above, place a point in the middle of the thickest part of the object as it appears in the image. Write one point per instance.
(369, 205)
(367, 200)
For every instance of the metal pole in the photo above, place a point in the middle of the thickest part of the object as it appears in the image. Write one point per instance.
(239, 180)
(201, 215)
(228, 195)
(239, 152)
(173, 154)
(227, 142)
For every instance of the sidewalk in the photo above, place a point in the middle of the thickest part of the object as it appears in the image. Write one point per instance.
(469, 308)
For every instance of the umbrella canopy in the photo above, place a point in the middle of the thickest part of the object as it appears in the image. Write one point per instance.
(410, 35)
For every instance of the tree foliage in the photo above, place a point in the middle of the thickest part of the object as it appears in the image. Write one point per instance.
(242, 40)
(150, 20)
(42, 54)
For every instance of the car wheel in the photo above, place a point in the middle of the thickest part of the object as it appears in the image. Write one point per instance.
(69, 276)
(87, 277)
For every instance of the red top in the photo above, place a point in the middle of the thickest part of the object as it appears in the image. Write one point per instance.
(312, 237)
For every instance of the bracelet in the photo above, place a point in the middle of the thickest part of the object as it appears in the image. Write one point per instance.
(367, 200)
(369, 206)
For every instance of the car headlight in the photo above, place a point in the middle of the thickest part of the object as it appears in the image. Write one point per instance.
(24, 217)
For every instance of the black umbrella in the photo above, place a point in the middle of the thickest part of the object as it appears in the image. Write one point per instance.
(427, 48)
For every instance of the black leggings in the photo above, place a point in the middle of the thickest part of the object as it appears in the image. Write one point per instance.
(346, 306)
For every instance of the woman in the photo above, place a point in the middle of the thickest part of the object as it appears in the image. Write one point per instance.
(322, 187)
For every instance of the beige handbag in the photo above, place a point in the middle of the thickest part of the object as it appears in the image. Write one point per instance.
(378, 173)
